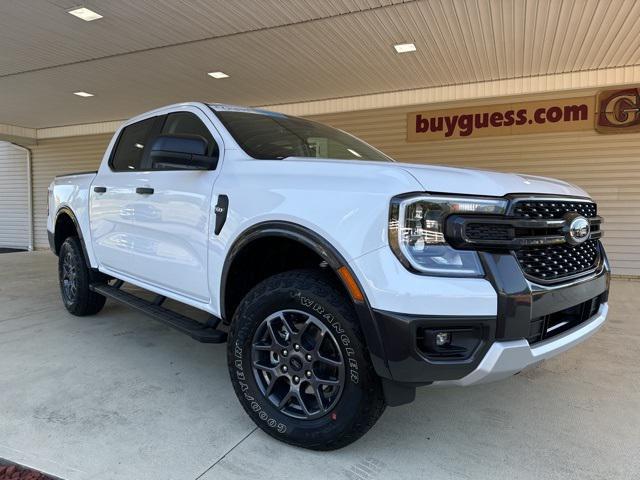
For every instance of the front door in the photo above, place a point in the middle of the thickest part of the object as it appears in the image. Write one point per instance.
(171, 220)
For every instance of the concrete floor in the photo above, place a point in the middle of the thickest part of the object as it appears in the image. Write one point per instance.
(120, 396)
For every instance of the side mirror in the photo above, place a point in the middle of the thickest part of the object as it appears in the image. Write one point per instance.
(180, 152)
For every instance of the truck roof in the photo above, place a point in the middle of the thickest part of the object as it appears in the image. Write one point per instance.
(223, 107)
(216, 107)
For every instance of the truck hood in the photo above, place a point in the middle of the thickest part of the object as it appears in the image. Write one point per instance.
(470, 181)
(482, 182)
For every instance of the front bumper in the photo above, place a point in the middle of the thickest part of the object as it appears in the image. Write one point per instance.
(501, 347)
(504, 359)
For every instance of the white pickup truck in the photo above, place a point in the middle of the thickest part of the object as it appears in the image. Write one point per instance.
(342, 279)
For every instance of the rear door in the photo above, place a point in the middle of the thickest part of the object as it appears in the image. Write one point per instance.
(172, 220)
(113, 196)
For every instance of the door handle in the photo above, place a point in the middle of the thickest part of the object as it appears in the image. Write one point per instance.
(100, 189)
(145, 190)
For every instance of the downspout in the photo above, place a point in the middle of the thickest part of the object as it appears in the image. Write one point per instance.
(29, 192)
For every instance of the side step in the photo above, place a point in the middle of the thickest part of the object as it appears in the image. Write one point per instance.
(198, 331)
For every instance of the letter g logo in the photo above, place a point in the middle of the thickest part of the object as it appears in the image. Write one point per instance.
(618, 111)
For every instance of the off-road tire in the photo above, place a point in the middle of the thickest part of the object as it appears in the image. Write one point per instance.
(361, 401)
(79, 300)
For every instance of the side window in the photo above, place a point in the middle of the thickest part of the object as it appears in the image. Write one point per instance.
(130, 146)
(186, 123)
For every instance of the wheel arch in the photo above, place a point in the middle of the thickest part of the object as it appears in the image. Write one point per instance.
(316, 243)
(65, 225)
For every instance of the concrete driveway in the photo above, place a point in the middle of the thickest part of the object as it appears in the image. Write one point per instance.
(119, 396)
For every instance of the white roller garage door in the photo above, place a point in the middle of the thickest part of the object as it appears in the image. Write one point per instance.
(14, 197)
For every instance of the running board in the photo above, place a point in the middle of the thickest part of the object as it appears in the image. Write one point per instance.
(198, 331)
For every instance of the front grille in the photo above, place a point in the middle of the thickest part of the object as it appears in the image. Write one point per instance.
(550, 263)
(536, 232)
(548, 326)
(553, 208)
(554, 262)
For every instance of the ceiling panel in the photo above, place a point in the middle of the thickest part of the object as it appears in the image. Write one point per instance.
(302, 50)
(37, 34)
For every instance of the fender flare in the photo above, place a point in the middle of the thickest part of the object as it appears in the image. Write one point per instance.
(67, 211)
(334, 259)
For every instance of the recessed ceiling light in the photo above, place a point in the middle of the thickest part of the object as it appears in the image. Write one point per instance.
(83, 94)
(405, 47)
(85, 14)
(218, 75)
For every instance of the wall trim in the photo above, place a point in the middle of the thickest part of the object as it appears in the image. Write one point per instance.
(17, 134)
(552, 83)
(76, 130)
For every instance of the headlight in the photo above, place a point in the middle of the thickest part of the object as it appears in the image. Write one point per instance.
(416, 233)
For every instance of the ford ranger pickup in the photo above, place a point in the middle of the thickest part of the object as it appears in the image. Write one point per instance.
(340, 279)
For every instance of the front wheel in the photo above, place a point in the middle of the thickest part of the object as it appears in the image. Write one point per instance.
(299, 364)
(74, 276)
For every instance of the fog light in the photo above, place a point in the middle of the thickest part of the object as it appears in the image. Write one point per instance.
(443, 338)
(455, 343)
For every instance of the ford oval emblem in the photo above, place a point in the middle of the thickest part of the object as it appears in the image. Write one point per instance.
(577, 229)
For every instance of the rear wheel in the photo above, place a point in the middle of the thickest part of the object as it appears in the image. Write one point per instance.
(299, 364)
(74, 277)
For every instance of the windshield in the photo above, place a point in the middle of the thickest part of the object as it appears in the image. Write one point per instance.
(273, 136)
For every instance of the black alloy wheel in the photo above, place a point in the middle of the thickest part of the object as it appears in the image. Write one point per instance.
(297, 364)
(69, 280)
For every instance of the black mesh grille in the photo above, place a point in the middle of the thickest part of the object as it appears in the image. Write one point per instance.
(553, 262)
(487, 231)
(553, 208)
